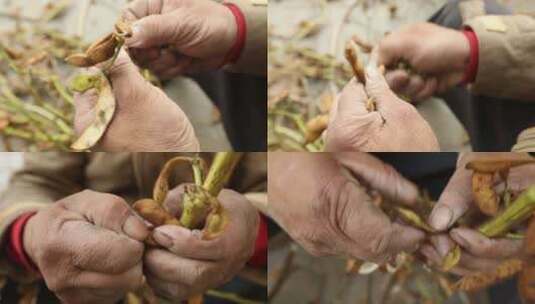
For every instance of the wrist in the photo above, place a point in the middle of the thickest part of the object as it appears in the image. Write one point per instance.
(239, 33)
(19, 239)
(470, 72)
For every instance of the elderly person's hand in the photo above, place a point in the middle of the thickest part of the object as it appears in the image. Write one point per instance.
(439, 57)
(88, 247)
(479, 253)
(319, 199)
(395, 126)
(175, 36)
(145, 118)
(188, 265)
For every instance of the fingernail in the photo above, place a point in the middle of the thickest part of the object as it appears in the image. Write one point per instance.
(440, 218)
(135, 40)
(163, 238)
(443, 247)
(135, 228)
(457, 237)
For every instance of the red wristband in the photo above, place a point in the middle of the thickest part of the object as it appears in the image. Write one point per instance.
(241, 34)
(15, 246)
(473, 65)
(259, 258)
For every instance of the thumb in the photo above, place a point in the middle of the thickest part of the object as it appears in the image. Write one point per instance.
(128, 84)
(153, 31)
(381, 176)
(388, 103)
(453, 202)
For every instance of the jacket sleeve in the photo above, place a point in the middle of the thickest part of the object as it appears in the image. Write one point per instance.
(44, 179)
(253, 59)
(506, 56)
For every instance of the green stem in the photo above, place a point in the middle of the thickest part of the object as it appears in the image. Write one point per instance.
(521, 209)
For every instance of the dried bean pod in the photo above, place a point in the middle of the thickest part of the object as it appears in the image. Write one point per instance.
(485, 196)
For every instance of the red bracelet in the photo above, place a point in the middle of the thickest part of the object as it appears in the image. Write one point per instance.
(473, 65)
(241, 34)
(259, 258)
(15, 247)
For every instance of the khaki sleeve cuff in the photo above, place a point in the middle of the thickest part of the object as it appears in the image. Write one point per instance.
(253, 59)
(526, 141)
(506, 56)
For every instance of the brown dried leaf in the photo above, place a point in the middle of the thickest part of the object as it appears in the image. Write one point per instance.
(103, 49)
(485, 196)
(483, 279)
(104, 111)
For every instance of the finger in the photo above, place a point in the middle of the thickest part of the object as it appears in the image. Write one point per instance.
(131, 279)
(434, 259)
(477, 264)
(416, 84)
(143, 57)
(388, 104)
(480, 246)
(428, 90)
(107, 211)
(182, 66)
(453, 202)
(169, 290)
(142, 8)
(397, 80)
(95, 249)
(166, 60)
(380, 176)
(391, 49)
(153, 31)
(443, 244)
(173, 200)
(167, 266)
(405, 239)
(242, 219)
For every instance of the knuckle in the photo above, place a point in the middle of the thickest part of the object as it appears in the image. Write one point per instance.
(378, 245)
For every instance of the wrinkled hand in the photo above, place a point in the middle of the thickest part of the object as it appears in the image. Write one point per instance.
(172, 37)
(479, 252)
(189, 265)
(395, 126)
(328, 212)
(88, 247)
(438, 56)
(145, 118)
